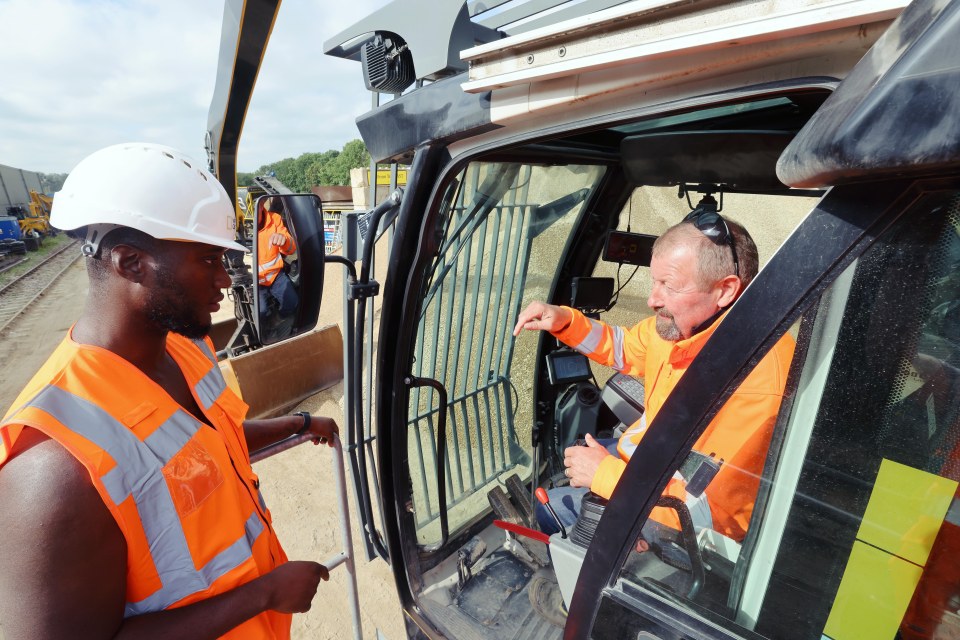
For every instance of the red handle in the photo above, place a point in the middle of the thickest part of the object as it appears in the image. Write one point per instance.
(542, 496)
(523, 531)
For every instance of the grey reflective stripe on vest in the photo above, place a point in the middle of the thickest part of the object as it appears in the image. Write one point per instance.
(617, 348)
(203, 346)
(699, 507)
(139, 473)
(212, 384)
(700, 512)
(220, 564)
(264, 270)
(590, 341)
(269, 265)
(626, 445)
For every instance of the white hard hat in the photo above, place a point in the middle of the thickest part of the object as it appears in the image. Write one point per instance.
(148, 187)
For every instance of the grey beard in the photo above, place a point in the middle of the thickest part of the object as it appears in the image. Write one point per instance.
(668, 329)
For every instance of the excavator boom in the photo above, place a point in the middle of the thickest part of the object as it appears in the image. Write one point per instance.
(269, 378)
(246, 29)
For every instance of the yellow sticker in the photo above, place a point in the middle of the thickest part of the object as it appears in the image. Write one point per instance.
(906, 508)
(873, 595)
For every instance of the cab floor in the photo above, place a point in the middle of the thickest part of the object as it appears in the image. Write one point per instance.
(494, 603)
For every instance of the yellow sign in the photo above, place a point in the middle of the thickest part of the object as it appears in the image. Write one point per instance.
(874, 593)
(383, 177)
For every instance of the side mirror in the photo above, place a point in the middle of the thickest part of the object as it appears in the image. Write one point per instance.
(288, 250)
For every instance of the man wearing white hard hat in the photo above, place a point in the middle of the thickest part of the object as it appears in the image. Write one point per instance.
(128, 505)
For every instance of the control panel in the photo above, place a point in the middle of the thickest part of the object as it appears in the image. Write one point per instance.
(625, 396)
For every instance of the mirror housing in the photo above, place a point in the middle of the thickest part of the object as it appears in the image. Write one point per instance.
(288, 291)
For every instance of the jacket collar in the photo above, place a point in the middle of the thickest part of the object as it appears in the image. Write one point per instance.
(685, 350)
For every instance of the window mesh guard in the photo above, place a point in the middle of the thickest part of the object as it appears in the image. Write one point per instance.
(467, 323)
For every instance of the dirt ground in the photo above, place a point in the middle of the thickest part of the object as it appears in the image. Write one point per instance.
(299, 485)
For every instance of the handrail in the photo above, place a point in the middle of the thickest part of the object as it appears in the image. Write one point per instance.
(414, 381)
(346, 555)
(353, 404)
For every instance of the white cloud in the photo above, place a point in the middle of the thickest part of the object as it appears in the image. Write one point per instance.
(78, 75)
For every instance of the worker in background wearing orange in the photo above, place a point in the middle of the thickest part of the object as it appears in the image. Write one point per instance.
(273, 242)
(699, 268)
(128, 505)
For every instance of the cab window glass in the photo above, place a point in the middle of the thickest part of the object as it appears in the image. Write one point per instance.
(854, 532)
(505, 227)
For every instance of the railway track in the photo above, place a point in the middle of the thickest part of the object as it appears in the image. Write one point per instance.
(18, 295)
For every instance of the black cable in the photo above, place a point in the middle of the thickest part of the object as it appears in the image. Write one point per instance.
(616, 294)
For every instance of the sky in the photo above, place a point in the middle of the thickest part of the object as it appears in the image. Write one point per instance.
(79, 75)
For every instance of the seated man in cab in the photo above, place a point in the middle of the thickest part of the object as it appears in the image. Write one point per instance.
(699, 268)
(274, 241)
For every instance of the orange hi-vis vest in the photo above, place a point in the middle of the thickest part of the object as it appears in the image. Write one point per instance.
(182, 492)
(739, 434)
(270, 256)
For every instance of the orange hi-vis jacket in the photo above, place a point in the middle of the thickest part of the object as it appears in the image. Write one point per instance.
(739, 433)
(182, 492)
(269, 256)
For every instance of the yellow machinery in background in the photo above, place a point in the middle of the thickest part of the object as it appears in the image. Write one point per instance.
(246, 199)
(34, 219)
(40, 204)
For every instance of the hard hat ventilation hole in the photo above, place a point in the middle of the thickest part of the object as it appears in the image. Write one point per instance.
(202, 174)
(167, 154)
(186, 163)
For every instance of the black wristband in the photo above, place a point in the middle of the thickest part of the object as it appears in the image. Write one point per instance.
(306, 422)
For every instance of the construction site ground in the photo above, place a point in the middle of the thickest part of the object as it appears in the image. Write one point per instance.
(298, 485)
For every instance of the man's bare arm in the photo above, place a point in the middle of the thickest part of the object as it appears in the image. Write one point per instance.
(63, 568)
(263, 433)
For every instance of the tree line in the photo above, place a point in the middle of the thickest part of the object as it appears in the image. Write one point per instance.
(299, 174)
(311, 169)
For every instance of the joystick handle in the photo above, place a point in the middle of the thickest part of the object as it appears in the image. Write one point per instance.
(545, 501)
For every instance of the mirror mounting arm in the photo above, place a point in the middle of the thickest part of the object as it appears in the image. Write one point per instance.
(351, 268)
(360, 290)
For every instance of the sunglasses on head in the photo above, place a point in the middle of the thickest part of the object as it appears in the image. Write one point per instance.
(711, 224)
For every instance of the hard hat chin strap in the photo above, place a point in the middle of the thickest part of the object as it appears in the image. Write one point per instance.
(95, 235)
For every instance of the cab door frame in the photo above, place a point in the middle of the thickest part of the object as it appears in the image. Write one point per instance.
(398, 327)
(415, 244)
